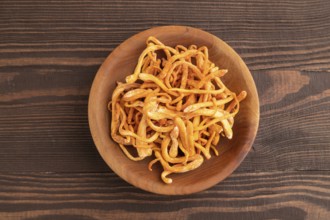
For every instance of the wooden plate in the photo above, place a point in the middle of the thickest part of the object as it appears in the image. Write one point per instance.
(121, 62)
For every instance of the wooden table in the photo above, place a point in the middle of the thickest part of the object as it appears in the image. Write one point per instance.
(49, 54)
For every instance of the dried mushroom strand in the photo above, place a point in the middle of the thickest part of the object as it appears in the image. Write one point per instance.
(174, 107)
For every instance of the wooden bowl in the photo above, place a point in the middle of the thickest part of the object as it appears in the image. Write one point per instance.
(121, 62)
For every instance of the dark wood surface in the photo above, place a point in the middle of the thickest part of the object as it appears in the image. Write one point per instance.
(49, 54)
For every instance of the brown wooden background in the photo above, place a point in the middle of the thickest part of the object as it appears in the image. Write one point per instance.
(49, 54)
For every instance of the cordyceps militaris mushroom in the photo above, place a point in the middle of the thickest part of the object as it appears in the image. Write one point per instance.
(174, 106)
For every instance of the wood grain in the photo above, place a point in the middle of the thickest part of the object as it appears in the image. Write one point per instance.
(50, 52)
(278, 195)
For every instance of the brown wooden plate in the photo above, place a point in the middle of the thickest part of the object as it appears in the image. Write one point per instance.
(121, 62)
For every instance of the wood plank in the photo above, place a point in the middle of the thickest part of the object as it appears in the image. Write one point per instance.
(294, 130)
(267, 195)
(50, 52)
